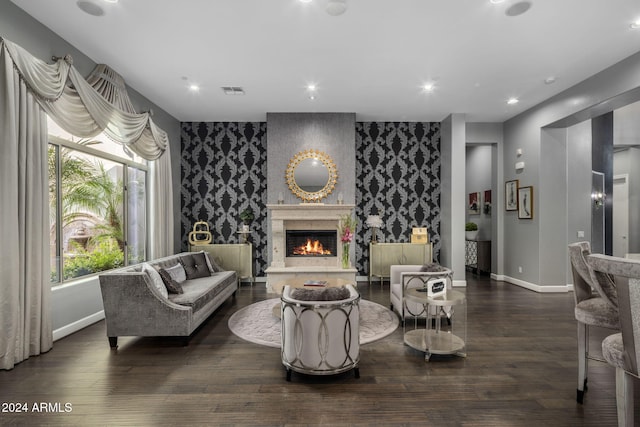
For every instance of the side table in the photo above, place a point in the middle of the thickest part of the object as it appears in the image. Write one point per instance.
(436, 338)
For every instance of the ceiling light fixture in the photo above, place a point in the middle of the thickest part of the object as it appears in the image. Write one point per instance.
(90, 8)
(305, 1)
(512, 101)
(518, 8)
(111, 1)
(428, 87)
(194, 87)
(635, 24)
(336, 7)
(497, 1)
(550, 80)
(311, 87)
(232, 90)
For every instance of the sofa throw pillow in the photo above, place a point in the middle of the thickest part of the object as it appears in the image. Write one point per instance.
(195, 265)
(169, 282)
(211, 263)
(177, 273)
(432, 267)
(156, 280)
(324, 294)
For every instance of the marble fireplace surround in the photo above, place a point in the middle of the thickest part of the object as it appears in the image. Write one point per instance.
(305, 216)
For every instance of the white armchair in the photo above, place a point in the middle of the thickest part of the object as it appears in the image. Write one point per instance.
(321, 337)
(409, 276)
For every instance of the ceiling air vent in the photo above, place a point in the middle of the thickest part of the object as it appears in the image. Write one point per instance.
(232, 90)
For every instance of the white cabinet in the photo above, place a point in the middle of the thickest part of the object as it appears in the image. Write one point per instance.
(383, 255)
(232, 257)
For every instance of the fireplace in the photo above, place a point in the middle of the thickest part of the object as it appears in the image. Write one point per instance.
(294, 225)
(311, 243)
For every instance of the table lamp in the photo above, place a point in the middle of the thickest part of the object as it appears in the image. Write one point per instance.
(375, 222)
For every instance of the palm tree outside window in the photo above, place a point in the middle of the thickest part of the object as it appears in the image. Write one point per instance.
(98, 205)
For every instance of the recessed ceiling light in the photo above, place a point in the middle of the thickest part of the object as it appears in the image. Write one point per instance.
(512, 101)
(550, 80)
(194, 87)
(312, 97)
(635, 24)
(305, 1)
(497, 1)
(311, 87)
(90, 8)
(111, 1)
(428, 87)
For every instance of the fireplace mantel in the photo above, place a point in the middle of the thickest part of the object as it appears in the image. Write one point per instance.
(305, 216)
(310, 210)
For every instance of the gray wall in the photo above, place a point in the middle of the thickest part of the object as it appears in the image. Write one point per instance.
(626, 132)
(525, 241)
(79, 304)
(453, 195)
(578, 185)
(290, 133)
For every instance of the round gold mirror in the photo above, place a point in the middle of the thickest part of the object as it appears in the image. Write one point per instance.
(311, 175)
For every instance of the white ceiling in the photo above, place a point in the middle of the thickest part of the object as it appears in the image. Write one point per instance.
(372, 60)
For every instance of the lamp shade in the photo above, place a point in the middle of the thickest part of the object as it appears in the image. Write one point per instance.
(374, 221)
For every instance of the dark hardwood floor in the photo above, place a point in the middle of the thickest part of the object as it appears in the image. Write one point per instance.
(520, 370)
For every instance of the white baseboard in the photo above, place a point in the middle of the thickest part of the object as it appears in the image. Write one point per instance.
(533, 286)
(77, 325)
(459, 284)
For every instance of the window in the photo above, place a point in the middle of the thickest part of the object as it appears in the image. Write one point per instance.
(98, 215)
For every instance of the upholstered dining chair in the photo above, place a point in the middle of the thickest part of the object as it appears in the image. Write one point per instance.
(597, 308)
(622, 350)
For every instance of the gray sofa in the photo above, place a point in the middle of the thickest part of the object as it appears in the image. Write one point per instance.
(134, 305)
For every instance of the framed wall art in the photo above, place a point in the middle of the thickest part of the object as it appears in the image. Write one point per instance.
(486, 206)
(511, 195)
(474, 203)
(525, 202)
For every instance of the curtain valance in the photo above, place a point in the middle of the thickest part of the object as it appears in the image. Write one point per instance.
(86, 107)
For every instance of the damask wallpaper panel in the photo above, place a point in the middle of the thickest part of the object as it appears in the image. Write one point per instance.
(397, 177)
(223, 171)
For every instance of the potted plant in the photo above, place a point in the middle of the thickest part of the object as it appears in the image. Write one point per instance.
(471, 230)
(246, 216)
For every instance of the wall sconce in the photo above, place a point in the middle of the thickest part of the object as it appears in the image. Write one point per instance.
(598, 199)
(281, 198)
(374, 222)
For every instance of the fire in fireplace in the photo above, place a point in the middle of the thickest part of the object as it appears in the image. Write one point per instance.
(311, 243)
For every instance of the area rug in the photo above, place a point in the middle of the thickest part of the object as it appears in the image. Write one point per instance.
(257, 324)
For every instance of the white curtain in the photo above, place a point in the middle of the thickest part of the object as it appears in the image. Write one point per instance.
(161, 218)
(84, 108)
(25, 290)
